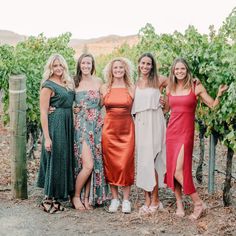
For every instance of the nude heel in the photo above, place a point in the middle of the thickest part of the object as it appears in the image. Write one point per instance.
(198, 211)
(179, 212)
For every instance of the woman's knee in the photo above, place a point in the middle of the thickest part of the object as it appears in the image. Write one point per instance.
(88, 166)
(178, 175)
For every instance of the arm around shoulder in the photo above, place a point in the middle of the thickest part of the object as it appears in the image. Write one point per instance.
(164, 81)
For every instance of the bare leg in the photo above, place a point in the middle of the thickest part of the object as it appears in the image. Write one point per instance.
(85, 173)
(179, 183)
(114, 191)
(126, 192)
(86, 194)
(154, 194)
(147, 198)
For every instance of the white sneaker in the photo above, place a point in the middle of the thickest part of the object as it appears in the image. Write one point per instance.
(126, 206)
(115, 203)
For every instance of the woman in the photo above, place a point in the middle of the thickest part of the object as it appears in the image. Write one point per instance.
(56, 173)
(150, 128)
(118, 131)
(87, 141)
(182, 97)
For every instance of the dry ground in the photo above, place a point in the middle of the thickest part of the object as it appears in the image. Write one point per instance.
(23, 217)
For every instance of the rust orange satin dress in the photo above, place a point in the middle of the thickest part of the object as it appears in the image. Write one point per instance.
(118, 138)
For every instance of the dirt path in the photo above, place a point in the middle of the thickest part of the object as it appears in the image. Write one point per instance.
(25, 218)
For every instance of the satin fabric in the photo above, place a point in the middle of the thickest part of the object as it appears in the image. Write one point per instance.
(180, 132)
(118, 138)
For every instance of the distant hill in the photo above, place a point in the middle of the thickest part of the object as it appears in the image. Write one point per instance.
(11, 38)
(102, 45)
(96, 46)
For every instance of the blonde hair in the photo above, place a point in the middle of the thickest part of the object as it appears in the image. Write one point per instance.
(48, 72)
(188, 80)
(108, 75)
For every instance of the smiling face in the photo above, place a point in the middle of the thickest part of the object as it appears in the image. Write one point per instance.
(180, 71)
(86, 65)
(118, 70)
(57, 68)
(145, 66)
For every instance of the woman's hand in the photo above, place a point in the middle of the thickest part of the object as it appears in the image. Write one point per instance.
(162, 100)
(51, 109)
(222, 89)
(48, 144)
(76, 109)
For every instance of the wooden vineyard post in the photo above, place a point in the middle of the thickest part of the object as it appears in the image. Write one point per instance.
(211, 170)
(227, 183)
(199, 171)
(17, 111)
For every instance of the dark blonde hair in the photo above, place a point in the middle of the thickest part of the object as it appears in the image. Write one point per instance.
(108, 75)
(78, 76)
(188, 80)
(153, 78)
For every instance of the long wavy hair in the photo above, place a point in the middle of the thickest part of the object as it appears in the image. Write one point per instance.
(78, 76)
(153, 78)
(48, 71)
(108, 75)
(188, 80)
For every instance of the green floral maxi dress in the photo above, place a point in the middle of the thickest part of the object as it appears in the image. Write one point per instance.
(56, 172)
(88, 127)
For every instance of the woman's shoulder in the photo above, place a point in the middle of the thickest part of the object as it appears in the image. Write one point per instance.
(49, 84)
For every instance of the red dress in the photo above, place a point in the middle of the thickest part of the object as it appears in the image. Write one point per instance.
(118, 138)
(180, 132)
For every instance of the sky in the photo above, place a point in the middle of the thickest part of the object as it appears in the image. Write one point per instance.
(87, 19)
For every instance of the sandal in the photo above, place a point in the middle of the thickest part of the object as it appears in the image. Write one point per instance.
(80, 206)
(144, 210)
(180, 209)
(57, 205)
(154, 208)
(198, 211)
(48, 206)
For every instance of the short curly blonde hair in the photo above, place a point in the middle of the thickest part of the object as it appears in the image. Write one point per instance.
(129, 69)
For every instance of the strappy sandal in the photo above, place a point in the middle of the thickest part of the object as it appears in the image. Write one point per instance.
(81, 207)
(57, 205)
(144, 210)
(87, 205)
(198, 211)
(48, 206)
(154, 208)
(179, 212)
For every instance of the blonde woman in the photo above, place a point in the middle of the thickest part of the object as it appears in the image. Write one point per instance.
(57, 162)
(118, 131)
(182, 94)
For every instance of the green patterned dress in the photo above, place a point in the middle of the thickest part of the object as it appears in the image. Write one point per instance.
(56, 172)
(88, 126)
